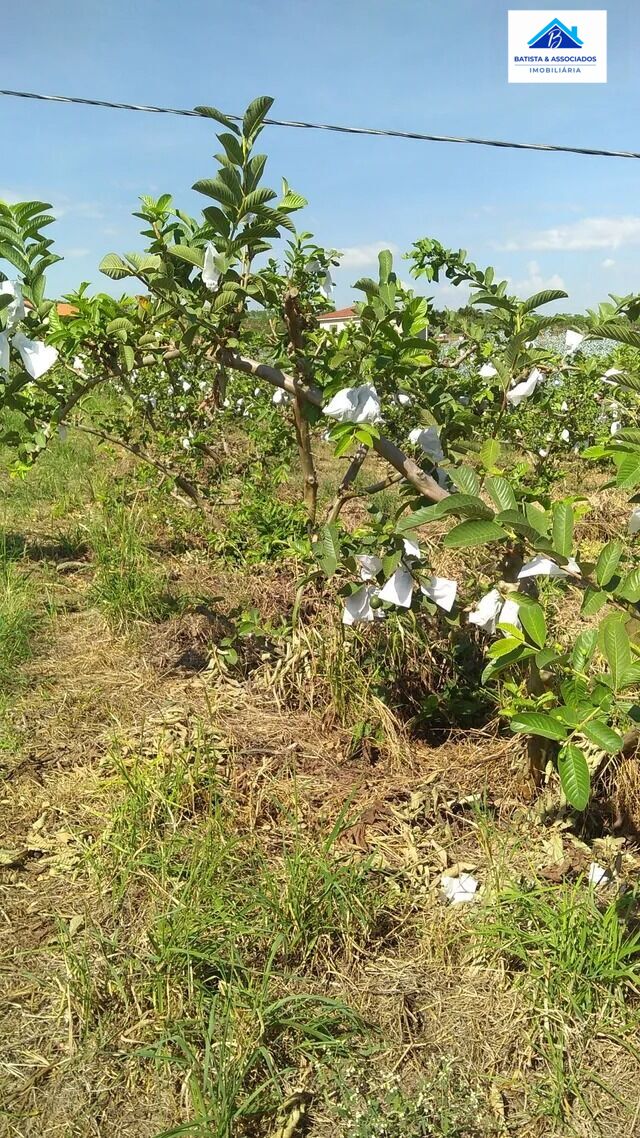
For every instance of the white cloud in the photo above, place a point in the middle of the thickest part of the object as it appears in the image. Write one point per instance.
(357, 256)
(588, 233)
(76, 251)
(447, 295)
(608, 263)
(62, 205)
(535, 281)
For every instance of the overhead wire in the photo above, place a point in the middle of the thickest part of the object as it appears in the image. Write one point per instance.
(376, 132)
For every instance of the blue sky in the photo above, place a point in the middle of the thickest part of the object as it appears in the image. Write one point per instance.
(540, 219)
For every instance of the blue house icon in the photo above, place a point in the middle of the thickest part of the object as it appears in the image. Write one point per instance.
(556, 35)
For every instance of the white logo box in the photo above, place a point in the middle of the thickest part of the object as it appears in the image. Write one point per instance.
(557, 45)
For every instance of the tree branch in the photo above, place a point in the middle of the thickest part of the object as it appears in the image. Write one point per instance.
(350, 475)
(179, 480)
(387, 450)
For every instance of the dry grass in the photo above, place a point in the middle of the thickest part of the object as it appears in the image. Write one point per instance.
(187, 848)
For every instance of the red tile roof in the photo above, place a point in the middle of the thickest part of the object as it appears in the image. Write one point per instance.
(62, 308)
(339, 314)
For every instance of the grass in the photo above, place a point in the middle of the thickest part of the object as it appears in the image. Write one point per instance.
(574, 959)
(220, 889)
(127, 585)
(19, 618)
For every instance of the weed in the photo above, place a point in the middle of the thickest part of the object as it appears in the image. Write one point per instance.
(18, 618)
(252, 1044)
(576, 963)
(367, 1100)
(127, 586)
(582, 956)
(319, 905)
(262, 529)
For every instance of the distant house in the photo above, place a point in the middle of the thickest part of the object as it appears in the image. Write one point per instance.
(336, 321)
(62, 307)
(556, 35)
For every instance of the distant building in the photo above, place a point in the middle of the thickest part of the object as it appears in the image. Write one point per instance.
(336, 321)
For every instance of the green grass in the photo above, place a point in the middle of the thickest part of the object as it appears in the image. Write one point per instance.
(19, 619)
(575, 960)
(128, 585)
(582, 955)
(66, 475)
(209, 941)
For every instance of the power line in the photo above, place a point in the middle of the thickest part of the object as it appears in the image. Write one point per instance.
(360, 130)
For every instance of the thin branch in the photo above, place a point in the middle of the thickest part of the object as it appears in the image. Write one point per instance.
(62, 412)
(387, 450)
(349, 477)
(134, 449)
(460, 359)
(293, 322)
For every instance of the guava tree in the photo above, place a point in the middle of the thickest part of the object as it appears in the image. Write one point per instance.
(393, 387)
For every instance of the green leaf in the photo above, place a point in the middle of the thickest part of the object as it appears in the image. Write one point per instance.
(537, 518)
(574, 715)
(474, 532)
(516, 521)
(113, 266)
(602, 735)
(608, 561)
(144, 262)
(593, 601)
(385, 262)
(390, 562)
(628, 474)
(562, 529)
(214, 113)
(329, 549)
(128, 357)
(547, 296)
(219, 190)
(490, 453)
(537, 723)
(291, 201)
(618, 330)
(256, 198)
(232, 148)
(465, 479)
(419, 518)
(615, 647)
(501, 492)
(463, 504)
(628, 434)
(255, 114)
(188, 253)
(517, 655)
(502, 647)
(584, 649)
(343, 445)
(491, 299)
(630, 678)
(14, 257)
(534, 623)
(629, 587)
(574, 776)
